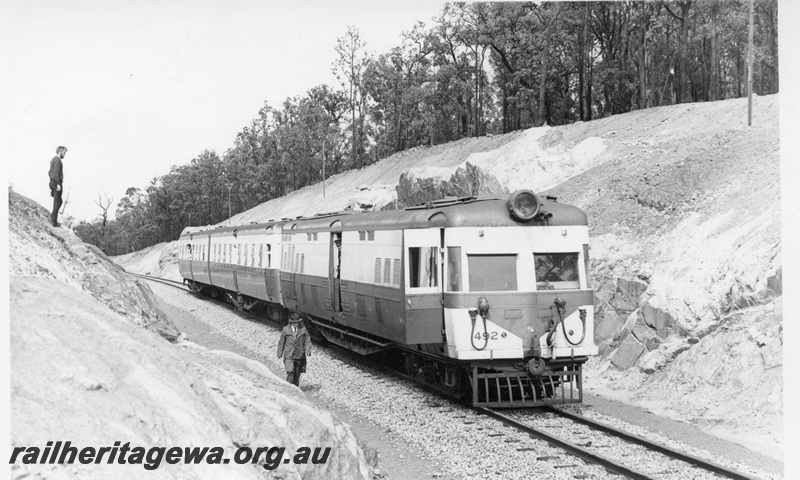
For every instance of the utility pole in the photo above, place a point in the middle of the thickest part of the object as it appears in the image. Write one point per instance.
(750, 71)
(229, 203)
(323, 168)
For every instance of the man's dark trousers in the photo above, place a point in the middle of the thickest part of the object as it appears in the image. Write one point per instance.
(56, 203)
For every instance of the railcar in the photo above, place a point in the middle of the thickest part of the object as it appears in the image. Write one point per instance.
(486, 299)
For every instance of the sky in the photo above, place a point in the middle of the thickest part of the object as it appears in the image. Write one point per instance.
(132, 88)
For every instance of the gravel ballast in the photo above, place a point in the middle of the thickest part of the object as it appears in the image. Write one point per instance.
(461, 442)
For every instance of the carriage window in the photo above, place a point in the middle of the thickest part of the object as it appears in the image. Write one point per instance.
(422, 267)
(454, 269)
(492, 273)
(396, 272)
(269, 256)
(556, 271)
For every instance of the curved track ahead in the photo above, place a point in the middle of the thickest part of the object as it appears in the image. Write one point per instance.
(165, 281)
(570, 447)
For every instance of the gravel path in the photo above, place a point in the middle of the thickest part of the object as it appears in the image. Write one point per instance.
(418, 435)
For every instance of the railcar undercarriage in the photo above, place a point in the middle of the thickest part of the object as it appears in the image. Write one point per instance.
(494, 384)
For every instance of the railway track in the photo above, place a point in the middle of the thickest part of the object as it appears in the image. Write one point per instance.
(589, 454)
(165, 281)
(580, 448)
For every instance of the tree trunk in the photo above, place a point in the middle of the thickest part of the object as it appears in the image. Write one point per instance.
(545, 58)
(589, 88)
(739, 72)
(714, 67)
(683, 35)
(586, 62)
(643, 26)
(542, 80)
(581, 67)
(505, 110)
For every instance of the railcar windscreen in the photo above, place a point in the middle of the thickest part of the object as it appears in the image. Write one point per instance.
(492, 273)
(557, 271)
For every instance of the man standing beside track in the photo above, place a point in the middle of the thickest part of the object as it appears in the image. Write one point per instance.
(293, 347)
(56, 183)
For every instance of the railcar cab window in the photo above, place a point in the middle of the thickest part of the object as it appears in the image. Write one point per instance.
(422, 267)
(557, 271)
(492, 273)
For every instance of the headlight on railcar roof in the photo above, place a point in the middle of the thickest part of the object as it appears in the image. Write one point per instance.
(524, 204)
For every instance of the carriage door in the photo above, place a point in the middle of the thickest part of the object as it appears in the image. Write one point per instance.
(236, 259)
(423, 285)
(335, 267)
(208, 259)
(190, 258)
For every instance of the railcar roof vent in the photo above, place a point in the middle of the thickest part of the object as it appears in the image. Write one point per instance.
(332, 214)
(442, 202)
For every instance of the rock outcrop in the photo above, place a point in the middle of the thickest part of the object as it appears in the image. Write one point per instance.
(419, 185)
(89, 366)
(36, 249)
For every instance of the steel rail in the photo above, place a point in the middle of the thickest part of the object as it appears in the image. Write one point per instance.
(568, 446)
(165, 281)
(540, 434)
(649, 444)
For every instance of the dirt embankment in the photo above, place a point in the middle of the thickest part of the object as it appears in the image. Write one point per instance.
(159, 261)
(92, 364)
(683, 204)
